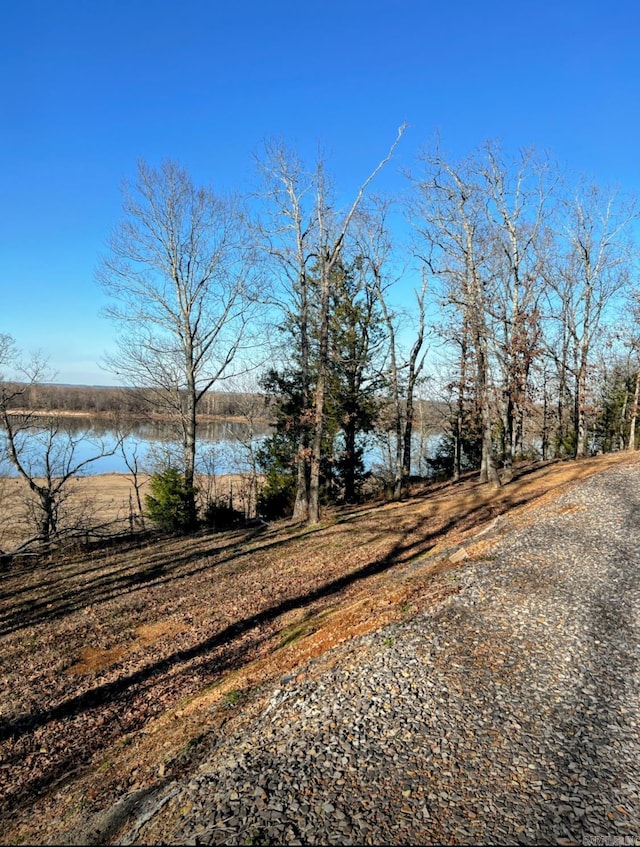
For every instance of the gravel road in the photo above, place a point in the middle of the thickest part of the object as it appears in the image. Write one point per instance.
(509, 714)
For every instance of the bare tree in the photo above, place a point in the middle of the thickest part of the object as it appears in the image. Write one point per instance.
(176, 275)
(403, 375)
(306, 237)
(631, 444)
(132, 460)
(593, 268)
(456, 246)
(402, 369)
(415, 364)
(44, 452)
(287, 236)
(629, 334)
(518, 209)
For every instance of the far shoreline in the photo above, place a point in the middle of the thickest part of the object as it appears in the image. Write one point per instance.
(134, 416)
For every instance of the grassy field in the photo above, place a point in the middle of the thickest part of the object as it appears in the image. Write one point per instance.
(119, 667)
(105, 501)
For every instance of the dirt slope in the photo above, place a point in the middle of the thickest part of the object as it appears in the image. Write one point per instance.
(116, 667)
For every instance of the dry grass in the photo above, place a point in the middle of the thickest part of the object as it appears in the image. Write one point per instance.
(117, 668)
(104, 500)
(92, 501)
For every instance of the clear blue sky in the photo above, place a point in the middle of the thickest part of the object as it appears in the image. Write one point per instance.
(87, 88)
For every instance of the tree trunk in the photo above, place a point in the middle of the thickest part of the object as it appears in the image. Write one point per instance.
(508, 437)
(190, 436)
(545, 418)
(414, 371)
(48, 526)
(397, 474)
(634, 414)
(319, 400)
(408, 437)
(580, 410)
(562, 429)
(459, 419)
(488, 470)
(301, 505)
(349, 431)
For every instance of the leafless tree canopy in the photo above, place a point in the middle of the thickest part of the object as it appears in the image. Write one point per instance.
(515, 272)
(177, 276)
(44, 452)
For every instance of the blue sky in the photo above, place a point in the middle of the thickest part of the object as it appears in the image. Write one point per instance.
(88, 88)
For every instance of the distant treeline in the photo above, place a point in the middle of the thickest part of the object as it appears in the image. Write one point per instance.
(98, 399)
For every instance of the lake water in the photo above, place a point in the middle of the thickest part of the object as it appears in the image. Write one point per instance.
(223, 447)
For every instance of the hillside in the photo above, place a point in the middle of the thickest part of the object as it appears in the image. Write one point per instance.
(120, 669)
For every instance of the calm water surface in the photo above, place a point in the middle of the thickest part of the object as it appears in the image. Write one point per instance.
(224, 446)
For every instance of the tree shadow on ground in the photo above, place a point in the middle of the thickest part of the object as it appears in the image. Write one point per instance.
(61, 588)
(69, 586)
(222, 652)
(108, 692)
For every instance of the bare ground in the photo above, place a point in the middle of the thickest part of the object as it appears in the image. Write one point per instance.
(117, 666)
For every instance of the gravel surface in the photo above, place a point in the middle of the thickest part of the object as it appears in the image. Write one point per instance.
(509, 714)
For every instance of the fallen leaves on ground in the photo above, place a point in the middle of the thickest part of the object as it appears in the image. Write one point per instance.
(116, 666)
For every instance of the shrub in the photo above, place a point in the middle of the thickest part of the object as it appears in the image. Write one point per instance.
(441, 464)
(220, 515)
(170, 504)
(278, 495)
(276, 459)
